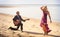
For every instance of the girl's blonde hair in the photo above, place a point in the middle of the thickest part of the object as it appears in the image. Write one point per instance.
(44, 8)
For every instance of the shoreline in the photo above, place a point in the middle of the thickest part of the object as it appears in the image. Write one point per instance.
(30, 17)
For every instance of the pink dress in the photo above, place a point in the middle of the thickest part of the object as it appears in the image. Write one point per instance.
(44, 20)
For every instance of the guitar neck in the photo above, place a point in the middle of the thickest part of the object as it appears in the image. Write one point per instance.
(26, 19)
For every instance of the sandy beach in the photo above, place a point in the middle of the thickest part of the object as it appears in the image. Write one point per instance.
(31, 28)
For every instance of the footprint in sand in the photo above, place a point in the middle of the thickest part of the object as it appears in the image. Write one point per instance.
(31, 36)
(19, 35)
(33, 26)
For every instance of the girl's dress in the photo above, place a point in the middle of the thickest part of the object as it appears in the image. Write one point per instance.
(44, 21)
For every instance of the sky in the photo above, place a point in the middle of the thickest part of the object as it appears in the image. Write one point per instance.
(29, 1)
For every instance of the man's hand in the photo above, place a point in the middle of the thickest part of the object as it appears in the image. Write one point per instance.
(17, 20)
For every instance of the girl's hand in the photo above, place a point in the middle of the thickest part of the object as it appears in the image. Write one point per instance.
(50, 21)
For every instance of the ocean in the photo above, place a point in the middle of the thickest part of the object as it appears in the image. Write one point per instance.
(32, 10)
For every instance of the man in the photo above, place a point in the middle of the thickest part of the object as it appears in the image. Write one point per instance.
(17, 22)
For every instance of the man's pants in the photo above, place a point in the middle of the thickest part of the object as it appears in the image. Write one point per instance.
(18, 27)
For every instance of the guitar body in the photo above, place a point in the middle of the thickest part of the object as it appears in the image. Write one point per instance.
(16, 22)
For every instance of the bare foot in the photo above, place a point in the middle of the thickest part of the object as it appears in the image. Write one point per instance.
(49, 31)
(45, 34)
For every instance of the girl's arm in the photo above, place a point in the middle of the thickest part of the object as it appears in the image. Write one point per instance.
(49, 16)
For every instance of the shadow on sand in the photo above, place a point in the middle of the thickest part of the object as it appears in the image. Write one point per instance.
(1, 35)
(41, 34)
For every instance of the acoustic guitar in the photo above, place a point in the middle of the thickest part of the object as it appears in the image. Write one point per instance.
(18, 21)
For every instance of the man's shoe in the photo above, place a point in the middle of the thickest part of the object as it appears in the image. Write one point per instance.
(9, 27)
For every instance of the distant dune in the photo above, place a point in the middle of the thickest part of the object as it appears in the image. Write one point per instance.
(31, 28)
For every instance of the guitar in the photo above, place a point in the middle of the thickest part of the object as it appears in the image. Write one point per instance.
(26, 19)
(18, 21)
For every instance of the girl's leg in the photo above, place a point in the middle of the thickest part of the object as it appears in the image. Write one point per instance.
(47, 26)
(48, 30)
(44, 29)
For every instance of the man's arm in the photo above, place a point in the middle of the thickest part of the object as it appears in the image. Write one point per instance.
(22, 19)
